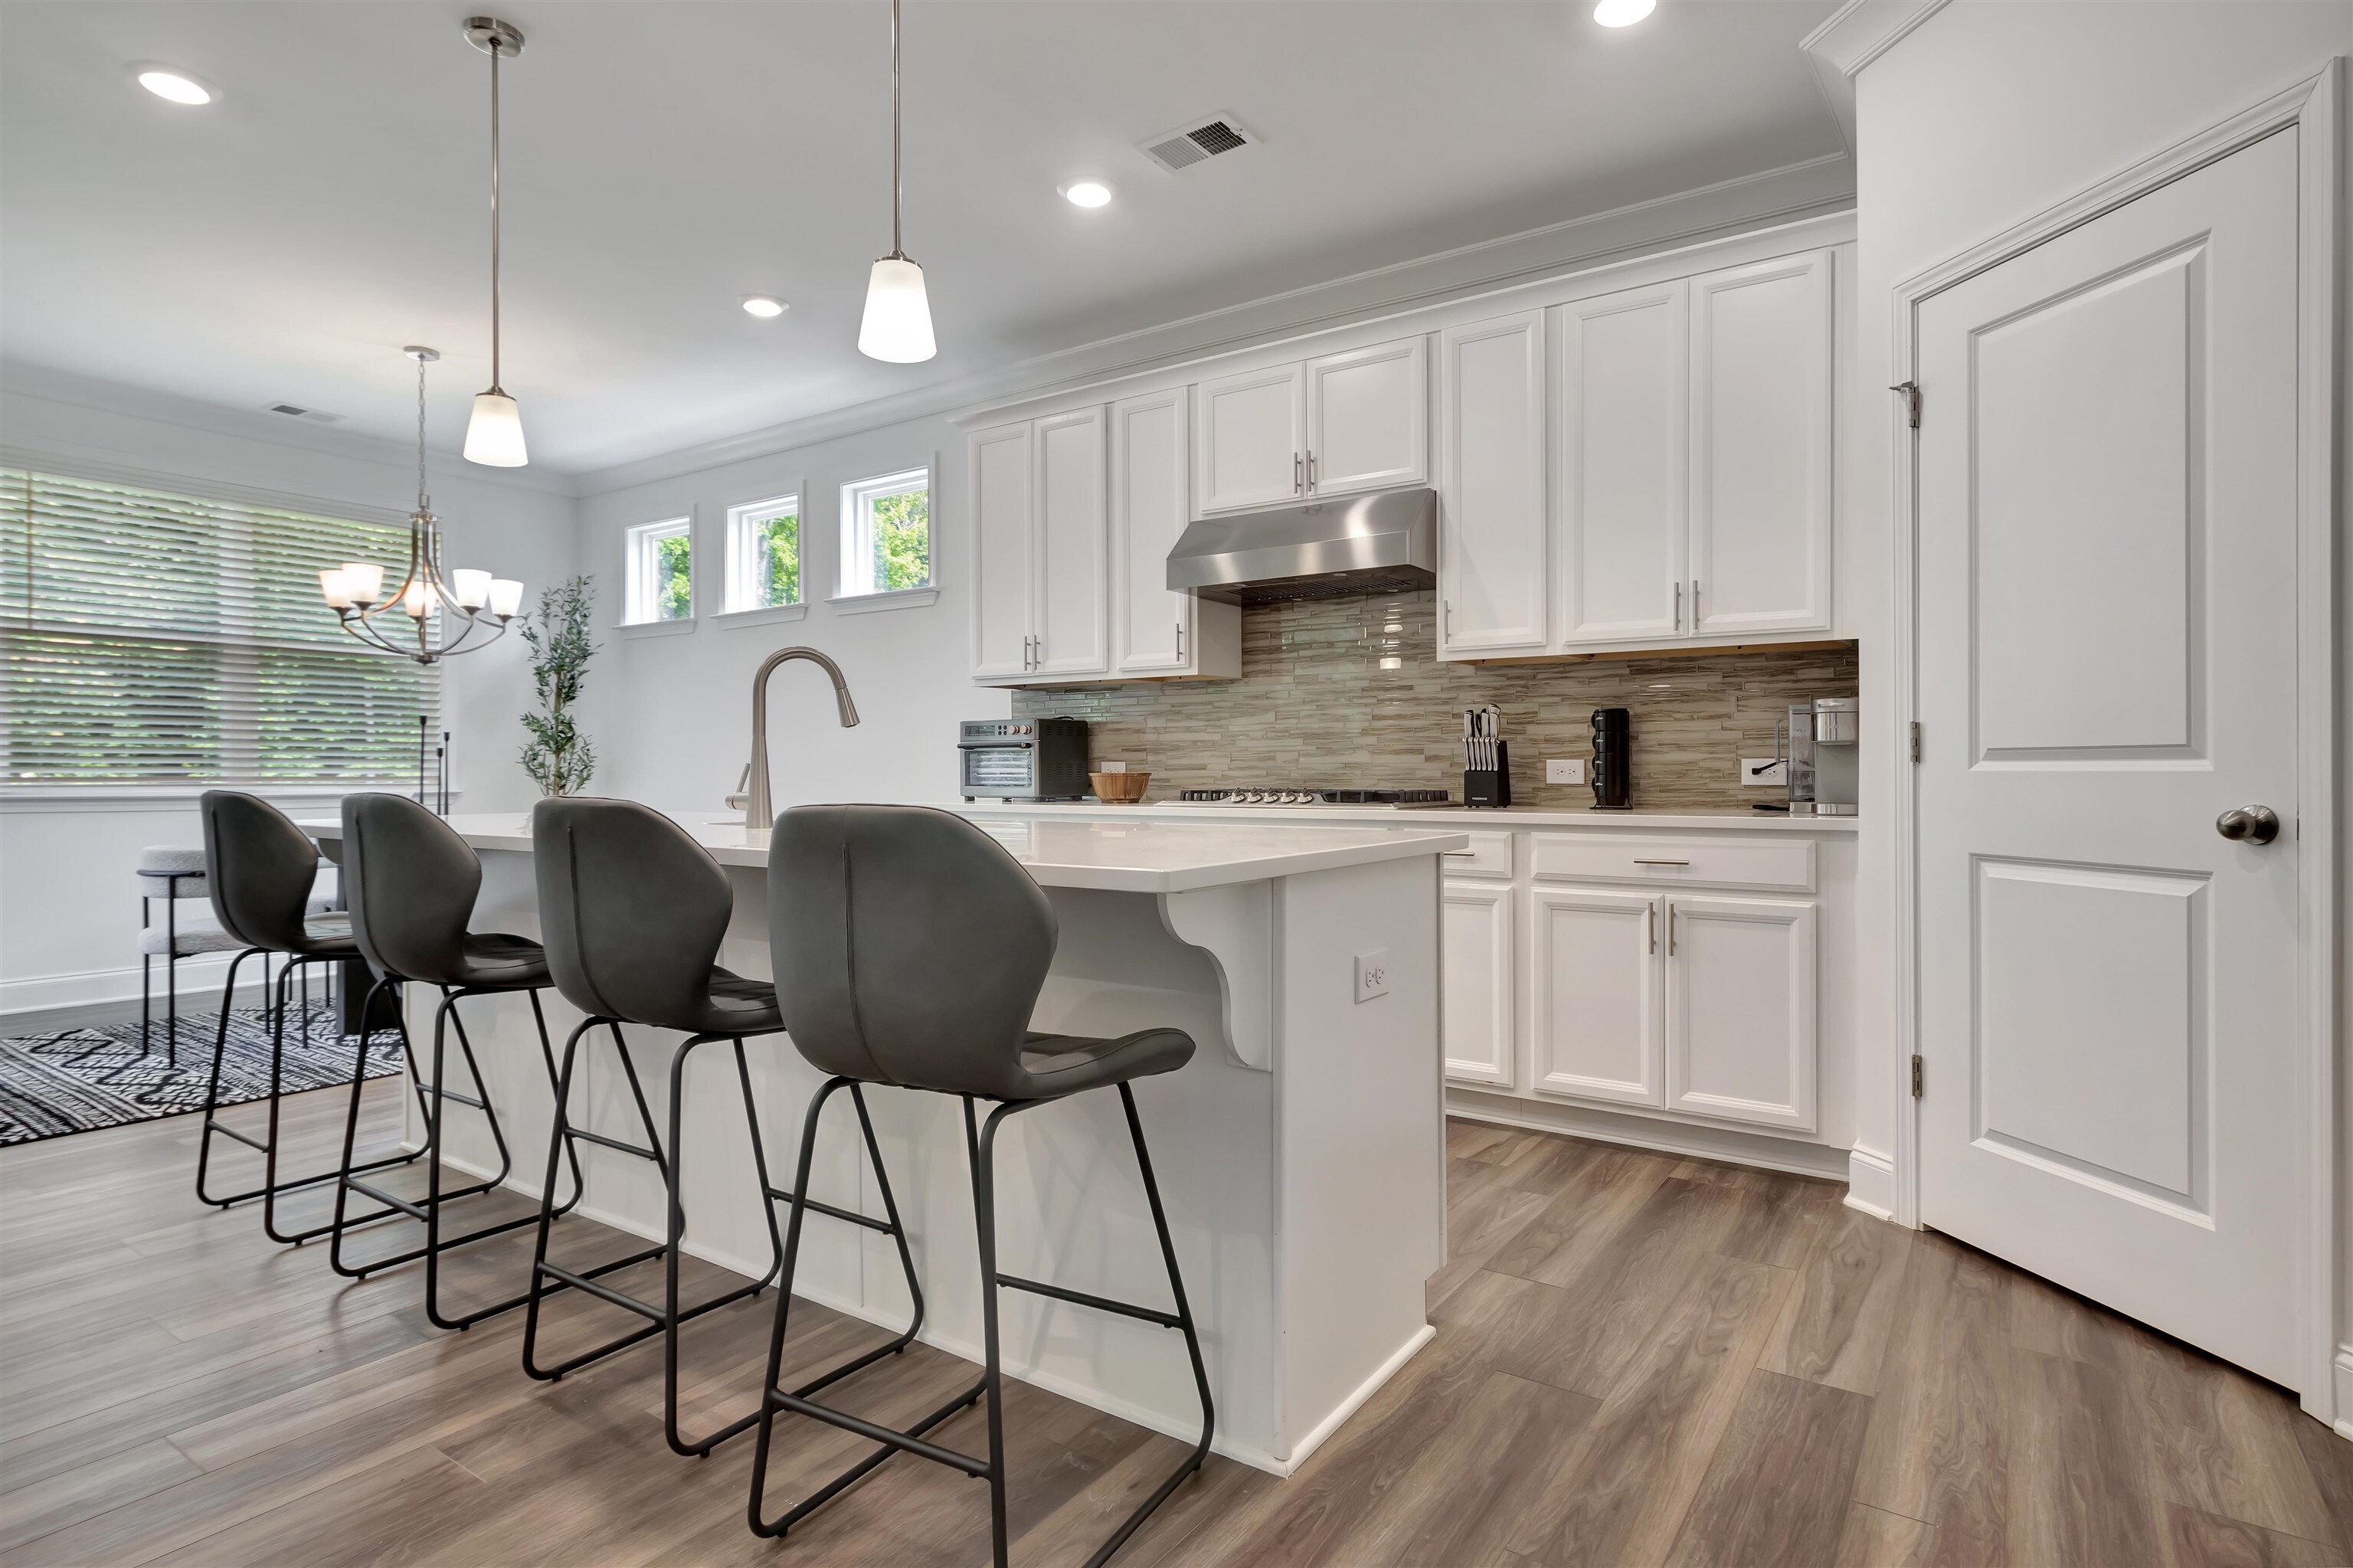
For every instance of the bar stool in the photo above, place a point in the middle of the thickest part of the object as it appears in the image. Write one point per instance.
(910, 949)
(411, 883)
(633, 911)
(171, 874)
(260, 868)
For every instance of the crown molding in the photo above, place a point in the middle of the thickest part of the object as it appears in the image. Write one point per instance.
(1813, 188)
(1858, 33)
(22, 380)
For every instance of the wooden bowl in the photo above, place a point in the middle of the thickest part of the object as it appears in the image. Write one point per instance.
(1119, 789)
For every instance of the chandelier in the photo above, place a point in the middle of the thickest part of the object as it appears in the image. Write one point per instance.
(472, 606)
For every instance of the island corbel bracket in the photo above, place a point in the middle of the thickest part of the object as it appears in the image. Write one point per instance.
(1241, 927)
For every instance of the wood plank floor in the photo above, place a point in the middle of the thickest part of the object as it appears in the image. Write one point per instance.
(1638, 1360)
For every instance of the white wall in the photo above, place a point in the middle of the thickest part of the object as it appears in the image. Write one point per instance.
(69, 910)
(1987, 114)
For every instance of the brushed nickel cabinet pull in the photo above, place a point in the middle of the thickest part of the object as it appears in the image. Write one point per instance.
(1640, 860)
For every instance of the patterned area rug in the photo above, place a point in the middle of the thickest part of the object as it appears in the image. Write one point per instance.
(79, 1080)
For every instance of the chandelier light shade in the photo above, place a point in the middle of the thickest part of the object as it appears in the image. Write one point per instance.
(494, 435)
(897, 326)
(472, 606)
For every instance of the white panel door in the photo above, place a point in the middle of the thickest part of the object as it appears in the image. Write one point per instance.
(1475, 1025)
(1491, 517)
(1252, 435)
(1073, 626)
(2108, 661)
(1596, 1023)
(1740, 1010)
(1150, 446)
(1002, 473)
(1761, 492)
(1368, 419)
(1624, 423)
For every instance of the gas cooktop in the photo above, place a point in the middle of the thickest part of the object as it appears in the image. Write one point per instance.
(1257, 796)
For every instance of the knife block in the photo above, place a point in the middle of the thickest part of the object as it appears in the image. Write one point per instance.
(1490, 786)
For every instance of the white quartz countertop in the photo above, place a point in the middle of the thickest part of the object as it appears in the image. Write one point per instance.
(1461, 819)
(1139, 855)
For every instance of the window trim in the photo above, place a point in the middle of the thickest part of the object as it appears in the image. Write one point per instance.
(857, 538)
(738, 576)
(637, 574)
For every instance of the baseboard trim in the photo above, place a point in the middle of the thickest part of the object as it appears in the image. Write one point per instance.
(1686, 1139)
(37, 1004)
(1354, 1401)
(1870, 1183)
(2341, 1377)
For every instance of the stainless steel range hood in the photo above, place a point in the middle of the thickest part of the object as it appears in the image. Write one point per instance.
(1385, 542)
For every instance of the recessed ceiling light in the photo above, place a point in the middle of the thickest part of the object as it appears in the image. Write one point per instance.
(1622, 13)
(1087, 193)
(764, 307)
(177, 85)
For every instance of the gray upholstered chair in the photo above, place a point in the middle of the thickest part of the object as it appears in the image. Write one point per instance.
(411, 883)
(259, 869)
(910, 949)
(632, 911)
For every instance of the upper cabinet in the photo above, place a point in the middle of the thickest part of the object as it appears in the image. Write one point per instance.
(1331, 426)
(1041, 550)
(1490, 517)
(1624, 452)
(1155, 632)
(1001, 475)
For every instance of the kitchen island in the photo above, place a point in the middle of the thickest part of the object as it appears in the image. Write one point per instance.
(1301, 1152)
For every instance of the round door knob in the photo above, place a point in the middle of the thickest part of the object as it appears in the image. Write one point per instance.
(2254, 824)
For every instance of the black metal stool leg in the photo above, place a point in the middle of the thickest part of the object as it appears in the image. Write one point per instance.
(341, 1222)
(212, 1088)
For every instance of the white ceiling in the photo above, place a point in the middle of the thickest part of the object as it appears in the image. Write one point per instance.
(662, 160)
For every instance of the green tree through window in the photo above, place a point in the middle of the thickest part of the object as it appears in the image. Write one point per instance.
(903, 540)
(674, 578)
(777, 556)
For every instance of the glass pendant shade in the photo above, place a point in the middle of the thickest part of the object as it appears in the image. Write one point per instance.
(506, 596)
(494, 435)
(364, 580)
(413, 600)
(897, 324)
(332, 589)
(471, 585)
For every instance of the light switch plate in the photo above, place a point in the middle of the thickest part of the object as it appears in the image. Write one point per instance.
(1764, 772)
(1372, 974)
(1564, 771)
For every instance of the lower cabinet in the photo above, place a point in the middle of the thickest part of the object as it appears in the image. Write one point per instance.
(1597, 1030)
(1740, 1010)
(1475, 1027)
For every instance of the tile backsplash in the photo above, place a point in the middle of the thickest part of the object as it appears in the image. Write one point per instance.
(1351, 692)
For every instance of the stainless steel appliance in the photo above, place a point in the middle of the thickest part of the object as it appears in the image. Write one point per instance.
(1383, 542)
(1817, 746)
(1613, 759)
(1022, 759)
(1258, 795)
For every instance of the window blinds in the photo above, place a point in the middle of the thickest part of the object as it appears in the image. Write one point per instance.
(156, 638)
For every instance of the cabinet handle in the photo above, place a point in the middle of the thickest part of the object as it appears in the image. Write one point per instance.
(1458, 855)
(1180, 639)
(1679, 604)
(1297, 484)
(1311, 470)
(1653, 911)
(1694, 604)
(1671, 931)
(1640, 860)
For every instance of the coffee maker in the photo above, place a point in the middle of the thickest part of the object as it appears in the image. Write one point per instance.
(1820, 756)
(1613, 759)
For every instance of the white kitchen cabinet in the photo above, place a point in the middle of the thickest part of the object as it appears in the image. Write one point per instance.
(1740, 991)
(1596, 1029)
(1622, 436)
(1155, 632)
(1476, 1026)
(1329, 426)
(1761, 344)
(1492, 523)
(1041, 550)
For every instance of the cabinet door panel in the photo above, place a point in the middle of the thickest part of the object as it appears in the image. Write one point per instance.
(1072, 629)
(1368, 419)
(1149, 448)
(1001, 476)
(1596, 1026)
(1761, 433)
(1624, 424)
(1251, 452)
(1476, 1026)
(1740, 1010)
(1492, 499)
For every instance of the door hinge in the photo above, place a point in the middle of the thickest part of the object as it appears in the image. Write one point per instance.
(1915, 1077)
(1915, 741)
(1911, 390)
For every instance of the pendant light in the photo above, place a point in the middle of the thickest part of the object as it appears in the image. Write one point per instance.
(474, 606)
(897, 324)
(494, 435)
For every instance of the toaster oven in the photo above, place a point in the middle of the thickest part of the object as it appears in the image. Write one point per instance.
(1022, 759)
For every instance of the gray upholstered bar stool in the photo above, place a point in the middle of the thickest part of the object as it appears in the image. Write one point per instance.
(259, 867)
(633, 911)
(910, 949)
(410, 882)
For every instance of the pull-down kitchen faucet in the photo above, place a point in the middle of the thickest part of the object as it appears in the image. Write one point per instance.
(759, 809)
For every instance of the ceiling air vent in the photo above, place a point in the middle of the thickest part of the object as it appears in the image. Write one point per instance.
(295, 411)
(1196, 143)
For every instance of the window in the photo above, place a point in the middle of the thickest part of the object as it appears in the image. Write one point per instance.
(148, 638)
(886, 533)
(662, 571)
(764, 554)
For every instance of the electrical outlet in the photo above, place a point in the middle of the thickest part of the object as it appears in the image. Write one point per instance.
(1372, 975)
(1764, 772)
(1564, 771)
